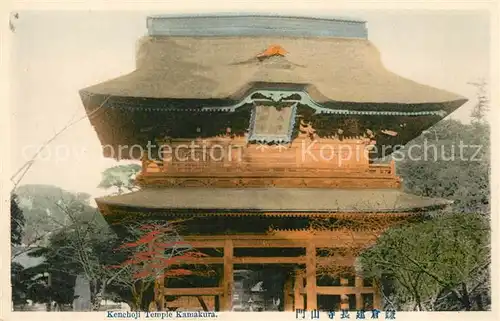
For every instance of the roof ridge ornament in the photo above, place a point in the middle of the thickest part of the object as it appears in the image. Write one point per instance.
(271, 51)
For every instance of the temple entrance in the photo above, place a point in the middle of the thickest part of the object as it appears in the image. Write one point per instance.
(268, 273)
(258, 288)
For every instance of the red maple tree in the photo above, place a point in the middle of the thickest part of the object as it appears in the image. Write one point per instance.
(156, 251)
(156, 254)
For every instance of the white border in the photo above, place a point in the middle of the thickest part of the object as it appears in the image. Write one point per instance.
(282, 7)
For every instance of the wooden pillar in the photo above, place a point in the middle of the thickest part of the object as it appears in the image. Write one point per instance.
(288, 294)
(219, 299)
(312, 299)
(228, 278)
(344, 298)
(377, 295)
(298, 286)
(393, 167)
(358, 283)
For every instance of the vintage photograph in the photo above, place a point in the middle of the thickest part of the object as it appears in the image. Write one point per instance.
(330, 164)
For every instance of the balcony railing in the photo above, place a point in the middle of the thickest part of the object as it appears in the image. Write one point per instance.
(263, 168)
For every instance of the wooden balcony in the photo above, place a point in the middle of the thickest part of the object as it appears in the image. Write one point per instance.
(245, 174)
(233, 162)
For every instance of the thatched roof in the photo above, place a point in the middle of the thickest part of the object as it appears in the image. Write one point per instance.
(274, 200)
(226, 68)
(215, 65)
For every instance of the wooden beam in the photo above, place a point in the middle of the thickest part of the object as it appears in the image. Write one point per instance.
(289, 236)
(311, 295)
(288, 294)
(269, 260)
(336, 260)
(228, 275)
(342, 290)
(281, 239)
(358, 284)
(200, 260)
(219, 299)
(340, 261)
(267, 243)
(208, 244)
(256, 243)
(276, 243)
(320, 261)
(298, 289)
(191, 291)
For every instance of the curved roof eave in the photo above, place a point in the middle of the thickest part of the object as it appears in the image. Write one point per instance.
(337, 71)
(256, 200)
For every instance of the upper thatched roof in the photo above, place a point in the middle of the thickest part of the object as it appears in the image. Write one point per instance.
(204, 68)
(274, 200)
(217, 64)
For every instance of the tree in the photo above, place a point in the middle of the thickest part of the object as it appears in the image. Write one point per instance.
(17, 221)
(83, 246)
(121, 177)
(153, 253)
(438, 167)
(424, 263)
(478, 114)
(442, 263)
(47, 283)
(41, 205)
(16, 232)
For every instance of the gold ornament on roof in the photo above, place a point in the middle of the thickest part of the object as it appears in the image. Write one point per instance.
(273, 50)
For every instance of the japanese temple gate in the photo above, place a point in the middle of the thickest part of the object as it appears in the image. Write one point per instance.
(295, 293)
(258, 101)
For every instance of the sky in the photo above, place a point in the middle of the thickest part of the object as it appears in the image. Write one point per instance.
(55, 54)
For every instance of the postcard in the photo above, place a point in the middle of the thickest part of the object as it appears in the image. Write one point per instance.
(294, 164)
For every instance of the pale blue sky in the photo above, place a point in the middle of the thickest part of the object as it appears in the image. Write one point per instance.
(57, 53)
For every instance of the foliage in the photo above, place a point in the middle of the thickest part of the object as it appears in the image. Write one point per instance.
(46, 283)
(152, 254)
(421, 263)
(82, 245)
(443, 263)
(19, 288)
(481, 107)
(121, 177)
(43, 206)
(440, 169)
(17, 221)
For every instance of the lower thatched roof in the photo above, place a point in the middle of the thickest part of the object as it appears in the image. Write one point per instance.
(274, 200)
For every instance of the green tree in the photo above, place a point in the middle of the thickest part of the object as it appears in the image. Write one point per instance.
(41, 205)
(440, 264)
(64, 228)
(16, 232)
(85, 247)
(121, 178)
(17, 221)
(441, 168)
